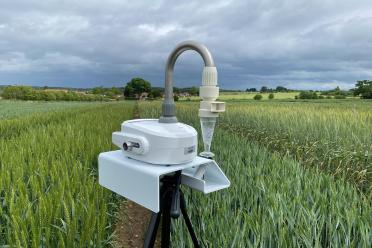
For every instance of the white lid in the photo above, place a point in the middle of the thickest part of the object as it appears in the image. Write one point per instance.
(154, 127)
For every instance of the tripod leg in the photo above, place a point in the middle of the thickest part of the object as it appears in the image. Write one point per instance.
(152, 230)
(188, 222)
(166, 225)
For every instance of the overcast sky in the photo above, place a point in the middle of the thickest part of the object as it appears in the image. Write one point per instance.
(294, 43)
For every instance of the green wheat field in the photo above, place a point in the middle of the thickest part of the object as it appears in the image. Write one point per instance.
(300, 172)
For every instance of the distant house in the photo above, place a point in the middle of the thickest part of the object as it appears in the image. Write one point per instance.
(143, 96)
(184, 94)
(56, 90)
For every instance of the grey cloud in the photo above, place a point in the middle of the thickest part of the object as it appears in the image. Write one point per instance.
(302, 44)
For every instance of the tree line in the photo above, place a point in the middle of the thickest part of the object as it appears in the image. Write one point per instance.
(28, 93)
(363, 89)
(138, 86)
(265, 89)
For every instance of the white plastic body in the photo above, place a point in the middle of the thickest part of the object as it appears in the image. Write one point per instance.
(158, 143)
(209, 92)
(140, 181)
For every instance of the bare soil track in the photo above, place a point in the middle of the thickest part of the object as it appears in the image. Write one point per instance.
(133, 221)
(131, 227)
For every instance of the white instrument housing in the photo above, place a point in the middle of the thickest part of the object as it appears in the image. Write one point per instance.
(153, 142)
(140, 181)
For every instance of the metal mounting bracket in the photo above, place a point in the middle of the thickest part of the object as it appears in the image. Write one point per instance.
(140, 182)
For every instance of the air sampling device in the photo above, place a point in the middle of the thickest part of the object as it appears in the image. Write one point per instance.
(166, 141)
(157, 156)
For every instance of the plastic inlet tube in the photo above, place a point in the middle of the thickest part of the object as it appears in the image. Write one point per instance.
(207, 127)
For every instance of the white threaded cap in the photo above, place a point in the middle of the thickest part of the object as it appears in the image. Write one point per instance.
(209, 77)
(209, 93)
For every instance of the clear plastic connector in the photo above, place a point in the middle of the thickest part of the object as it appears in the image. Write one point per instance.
(207, 127)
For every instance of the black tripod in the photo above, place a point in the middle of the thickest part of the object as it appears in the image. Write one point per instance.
(172, 204)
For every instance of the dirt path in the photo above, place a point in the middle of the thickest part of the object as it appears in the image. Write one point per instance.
(133, 220)
(131, 227)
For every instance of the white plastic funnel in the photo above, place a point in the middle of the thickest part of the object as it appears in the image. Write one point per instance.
(207, 126)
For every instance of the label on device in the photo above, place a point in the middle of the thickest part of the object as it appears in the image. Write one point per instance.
(189, 149)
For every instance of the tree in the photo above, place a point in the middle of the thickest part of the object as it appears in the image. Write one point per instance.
(251, 90)
(336, 92)
(176, 90)
(137, 86)
(307, 95)
(363, 89)
(155, 93)
(129, 91)
(109, 92)
(98, 90)
(115, 91)
(257, 97)
(271, 96)
(16, 92)
(194, 91)
(264, 89)
(340, 97)
(28, 93)
(281, 89)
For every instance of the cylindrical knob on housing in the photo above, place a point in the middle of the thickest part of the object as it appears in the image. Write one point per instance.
(129, 145)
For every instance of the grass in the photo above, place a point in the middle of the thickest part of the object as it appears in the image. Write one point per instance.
(13, 109)
(49, 195)
(300, 174)
(331, 135)
(274, 200)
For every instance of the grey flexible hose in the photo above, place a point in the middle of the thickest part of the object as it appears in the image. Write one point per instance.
(168, 107)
